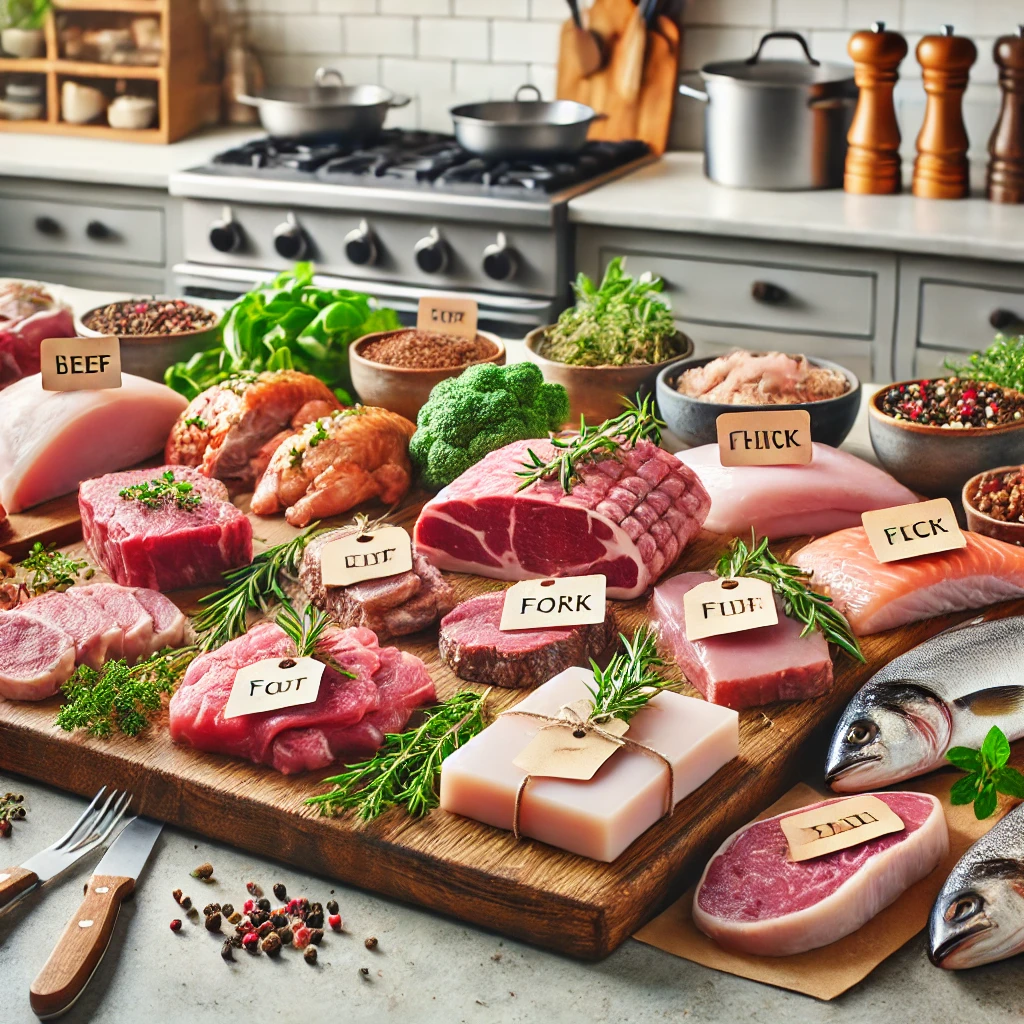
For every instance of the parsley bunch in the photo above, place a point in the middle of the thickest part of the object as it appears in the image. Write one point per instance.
(987, 774)
(50, 569)
(162, 491)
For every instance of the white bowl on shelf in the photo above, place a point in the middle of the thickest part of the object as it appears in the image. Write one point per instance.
(80, 104)
(23, 43)
(131, 112)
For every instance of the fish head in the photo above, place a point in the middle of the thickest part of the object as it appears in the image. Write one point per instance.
(978, 919)
(888, 732)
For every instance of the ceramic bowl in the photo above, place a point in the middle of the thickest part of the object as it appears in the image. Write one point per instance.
(981, 522)
(80, 104)
(695, 422)
(23, 43)
(934, 461)
(404, 389)
(131, 112)
(596, 392)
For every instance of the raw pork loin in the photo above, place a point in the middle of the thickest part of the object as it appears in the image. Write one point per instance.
(753, 899)
(629, 518)
(164, 548)
(36, 658)
(348, 719)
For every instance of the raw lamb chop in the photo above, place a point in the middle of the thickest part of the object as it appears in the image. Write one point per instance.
(225, 429)
(629, 517)
(163, 548)
(36, 657)
(753, 899)
(336, 463)
(96, 635)
(474, 647)
(51, 440)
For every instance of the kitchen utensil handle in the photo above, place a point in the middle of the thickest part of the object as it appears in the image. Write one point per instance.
(80, 949)
(15, 883)
(249, 101)
(694, 94)
(529, 86)
(399, 100)
(574, 7)
(783, 35)
(324, 76)
(1000, 319)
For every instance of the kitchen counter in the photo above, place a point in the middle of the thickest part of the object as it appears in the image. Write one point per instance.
(673, 195)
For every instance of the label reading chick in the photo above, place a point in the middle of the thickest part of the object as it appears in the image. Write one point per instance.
(272, 684)
(728, 606)
(567, 601)
(838, 826)
(765, 438)
(80, 364)
(379, 552)
(906, 531)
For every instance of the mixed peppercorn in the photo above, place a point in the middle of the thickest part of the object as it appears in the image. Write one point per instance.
(953, 403)
(1000, 495)
(150, 316)
(11, 809)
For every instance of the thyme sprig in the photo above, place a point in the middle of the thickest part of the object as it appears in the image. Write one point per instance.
(639, 422)
(404, 772)
(50, 569)
(799, 602)
(163, 490)
(1001, 363)
(630, 680)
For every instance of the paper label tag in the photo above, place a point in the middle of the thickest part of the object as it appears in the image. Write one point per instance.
(383, 551)
(781, 438)
(906, 531)
(442, 314)
(80, 364)
(728, 606)
(566, 601)
(838, 826)
(272, 684)
(557, 752)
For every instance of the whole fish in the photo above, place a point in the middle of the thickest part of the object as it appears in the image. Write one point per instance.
(947, 692)
(978, 917)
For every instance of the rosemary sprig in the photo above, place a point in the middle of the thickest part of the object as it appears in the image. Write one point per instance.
(306, 630)
(799, 602)
(630, 680)
(163, 490)
(51, 569)
(404, 772)
(639, 422)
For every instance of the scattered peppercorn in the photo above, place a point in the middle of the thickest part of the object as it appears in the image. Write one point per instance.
(952, 403)
(248, 906)
(236, 941)
(213, 922)
(300, 936)
(286, 935)
(279, 920)
(150, 316)
(335, 922)
(227, 951)
(204, 871)
(271, 945)
(227, 910)
(251, 942)
(210, 908)
(10, 811)
(310, 955)
(5, 828)
(176, 895)
(263, 904)
(332, 906)
(371, 942)
(253, 889)
(316, 936)
(315, 919)
(280, 891)
(364, 971)
(176, 925)
(185, 903)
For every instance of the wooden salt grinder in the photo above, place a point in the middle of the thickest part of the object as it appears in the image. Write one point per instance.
(941, 170)
(873, 165)
(1006, 146)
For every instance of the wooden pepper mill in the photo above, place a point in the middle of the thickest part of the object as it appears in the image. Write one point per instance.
(941, 170)
(1006, 146)
(873, 165)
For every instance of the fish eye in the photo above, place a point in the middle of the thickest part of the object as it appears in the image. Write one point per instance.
(861, 733)
(963, 908)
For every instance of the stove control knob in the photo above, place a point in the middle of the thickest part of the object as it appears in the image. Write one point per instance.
(290, 240)
(501, 261)
(432, 253)
(226, 233)
(361, 245)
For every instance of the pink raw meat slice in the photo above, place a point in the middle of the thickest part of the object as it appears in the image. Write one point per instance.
(628, 517)
(123, 607)
(96, 635)
(753, 899)
(20, 341)
(168, 620)
(742, 670)
(36, 657)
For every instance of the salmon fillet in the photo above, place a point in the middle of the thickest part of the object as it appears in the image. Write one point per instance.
(876, 596)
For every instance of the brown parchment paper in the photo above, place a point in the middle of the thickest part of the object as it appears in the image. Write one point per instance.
(829, 971)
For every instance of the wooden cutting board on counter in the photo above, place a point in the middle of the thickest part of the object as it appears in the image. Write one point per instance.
(445, 863)
(53, 522)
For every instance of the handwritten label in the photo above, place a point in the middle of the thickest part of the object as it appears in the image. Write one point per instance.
(80, 364)
(728, 606)
(838, 826)
(272, 684)
(442, 314)
(384, 551)
(780, 438)
(567, 601)
(906, 531)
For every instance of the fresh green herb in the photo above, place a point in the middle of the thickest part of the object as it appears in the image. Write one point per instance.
(50, 569)
(799, 602)
(987, 774)
(120, 696)
(319, 432)
(622, 322)
(1001, 363)
(196, 421)
(307, 630)
(637, 423)
(26, 14)
(629, 681)
(162, 491)
(404, 772)
(295, 457)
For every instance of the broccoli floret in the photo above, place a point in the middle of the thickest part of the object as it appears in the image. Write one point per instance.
(483, 409)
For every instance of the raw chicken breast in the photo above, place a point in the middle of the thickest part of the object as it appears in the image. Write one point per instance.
(51, 441)
(876, 596)
(36, 657)
(828, 494)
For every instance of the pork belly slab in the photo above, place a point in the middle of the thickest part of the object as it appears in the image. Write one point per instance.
(741, 670)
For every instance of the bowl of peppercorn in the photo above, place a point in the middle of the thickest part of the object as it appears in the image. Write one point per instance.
(994, 503)
(155, 333)
(935, 435)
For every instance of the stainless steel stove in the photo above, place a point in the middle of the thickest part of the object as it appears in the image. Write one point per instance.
(408, 215)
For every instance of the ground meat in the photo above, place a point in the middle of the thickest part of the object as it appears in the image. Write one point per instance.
(769, 378)
(1000, 495)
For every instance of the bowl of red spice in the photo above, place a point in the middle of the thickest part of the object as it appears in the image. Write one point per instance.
(994, 504)
(397, 370)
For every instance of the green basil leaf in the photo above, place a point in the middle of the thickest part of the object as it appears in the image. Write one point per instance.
(964, 790)
(996, 748)
(985, 802)
(965, 758)
(1009, 781)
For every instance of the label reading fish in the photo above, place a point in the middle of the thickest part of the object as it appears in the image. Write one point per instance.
(371, 555)
(728, 606)
(272, 684)
(765, 438)
(838, 826)
(906, 531)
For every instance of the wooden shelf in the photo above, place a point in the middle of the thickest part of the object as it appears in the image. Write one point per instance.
(118, 6)
(94, 131)
(89, 69)
(27, 66)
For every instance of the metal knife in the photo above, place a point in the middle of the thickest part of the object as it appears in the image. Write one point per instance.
(80, 949)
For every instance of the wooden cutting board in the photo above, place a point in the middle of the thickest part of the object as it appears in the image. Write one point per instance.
(56, 522)
(445, 863)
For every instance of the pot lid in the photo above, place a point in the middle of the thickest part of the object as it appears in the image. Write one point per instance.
(779, 72)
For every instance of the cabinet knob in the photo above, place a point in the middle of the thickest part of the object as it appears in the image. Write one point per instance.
(1003, 319)
(97, 230)
(769, 294)
(47, 226)
(361, 245)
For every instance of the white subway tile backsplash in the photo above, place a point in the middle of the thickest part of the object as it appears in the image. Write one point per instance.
(492, 8)
(525, 40)
(426, 7)
(728, 12)
(808, 14)
(454, 37)
(333, 6)
(489, 81)
(382, 35)
(415, 75)
(862, 14)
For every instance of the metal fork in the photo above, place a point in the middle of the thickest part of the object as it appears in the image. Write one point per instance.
(91, 830)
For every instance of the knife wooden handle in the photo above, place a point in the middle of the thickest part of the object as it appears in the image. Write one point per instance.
(15, 882)
(81, 947)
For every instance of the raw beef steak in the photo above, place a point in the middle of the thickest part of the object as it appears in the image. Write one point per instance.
(628, 517)
(165, 548)
(473, 646)
(753, 899)
(36, 657)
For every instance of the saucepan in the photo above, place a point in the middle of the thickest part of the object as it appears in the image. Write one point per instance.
(523, 127)
(328, 107)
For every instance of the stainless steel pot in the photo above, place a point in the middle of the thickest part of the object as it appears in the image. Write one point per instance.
(521, 127)
(776, 124)
(328, 107)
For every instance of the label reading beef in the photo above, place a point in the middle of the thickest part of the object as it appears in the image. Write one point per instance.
(272, 684)
(765, 438)
(382, 551)
(444, 314)
(566, 601)
(906, 531)
(80, 364)
(728, 606)
(838, 826)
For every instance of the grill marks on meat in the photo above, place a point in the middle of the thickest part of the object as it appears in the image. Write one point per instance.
(225, 430)
(473, 646)
(392, 606)
(629, 518)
